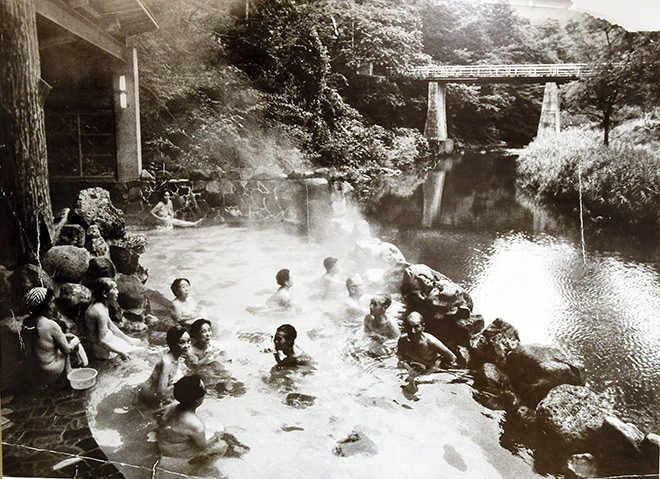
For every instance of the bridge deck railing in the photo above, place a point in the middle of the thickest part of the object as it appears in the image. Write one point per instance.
(430, 72)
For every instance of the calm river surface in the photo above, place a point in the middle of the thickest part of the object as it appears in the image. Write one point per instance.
(465, 220)
(522, 263)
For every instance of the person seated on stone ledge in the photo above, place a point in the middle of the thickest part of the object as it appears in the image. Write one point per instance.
(181, 435)
(378, 322)
(164, 214)
(185, 309)
(284, 341)
(168, 369)
(421, 350)
(48, 346)
(107, 339)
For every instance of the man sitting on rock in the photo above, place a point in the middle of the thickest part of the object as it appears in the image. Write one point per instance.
(419, 349)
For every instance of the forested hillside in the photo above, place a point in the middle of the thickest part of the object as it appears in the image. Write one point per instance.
(274, 83)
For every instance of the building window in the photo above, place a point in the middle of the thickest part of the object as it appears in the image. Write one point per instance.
(81, 145)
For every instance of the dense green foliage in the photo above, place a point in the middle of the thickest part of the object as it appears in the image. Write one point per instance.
(620, 183)
(274, 84)
(624, 65)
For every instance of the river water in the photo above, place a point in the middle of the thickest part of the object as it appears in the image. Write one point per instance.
(526, 264)
(465, 219)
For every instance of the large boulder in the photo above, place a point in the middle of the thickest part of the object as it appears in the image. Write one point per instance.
(581, 466)
(374, 253)
(94, 207)
(125, 259)
(99, 267)
(66, 263)
(495, 343)
(431, 293)
(73, 235)
(158, 304)
(132, 293)
(572, 417)
(73, 299)
(651, 449)
(490, 378)
(23, 279)
(535, 369)
(621, 438)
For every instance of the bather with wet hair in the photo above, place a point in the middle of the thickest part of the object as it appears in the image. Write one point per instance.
(182, 443)
(284, 341)
(155, 390)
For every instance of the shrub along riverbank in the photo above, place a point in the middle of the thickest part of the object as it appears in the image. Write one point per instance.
(620, 183)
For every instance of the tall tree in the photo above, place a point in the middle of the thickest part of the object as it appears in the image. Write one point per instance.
(25, 207)
(620, 68)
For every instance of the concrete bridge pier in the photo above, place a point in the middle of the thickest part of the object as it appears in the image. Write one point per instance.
(549, 121)
(435, 129)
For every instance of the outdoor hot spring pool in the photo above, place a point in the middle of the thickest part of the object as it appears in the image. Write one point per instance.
(434, 430)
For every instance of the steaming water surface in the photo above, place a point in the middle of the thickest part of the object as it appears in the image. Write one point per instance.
(436, 431)
(517, 261)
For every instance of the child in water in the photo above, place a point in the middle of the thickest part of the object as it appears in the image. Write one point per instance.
(284, 341)
(166, 372)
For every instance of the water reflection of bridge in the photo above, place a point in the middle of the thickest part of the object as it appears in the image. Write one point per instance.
(439, 75)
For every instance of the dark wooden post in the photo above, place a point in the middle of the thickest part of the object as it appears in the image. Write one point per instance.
(26, 216)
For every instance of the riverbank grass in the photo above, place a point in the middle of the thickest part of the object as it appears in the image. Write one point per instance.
(620, 183)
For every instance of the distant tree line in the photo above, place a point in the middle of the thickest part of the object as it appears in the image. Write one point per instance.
(225, 82)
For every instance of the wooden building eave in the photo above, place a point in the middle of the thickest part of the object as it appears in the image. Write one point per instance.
(59, 13)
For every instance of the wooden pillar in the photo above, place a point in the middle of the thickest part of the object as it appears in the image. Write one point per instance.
(549, 122)
(127, 116)
(435, 129)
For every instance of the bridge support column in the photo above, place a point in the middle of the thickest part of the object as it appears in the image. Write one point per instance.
(549, 122)
(435, 129)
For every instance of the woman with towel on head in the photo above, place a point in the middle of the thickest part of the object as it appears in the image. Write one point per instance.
(49, 347)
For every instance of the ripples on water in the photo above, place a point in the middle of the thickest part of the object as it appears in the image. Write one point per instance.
(604, 312)
(355, 387)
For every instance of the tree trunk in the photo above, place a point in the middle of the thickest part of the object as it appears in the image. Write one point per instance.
(606, 127)
(26, 216)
